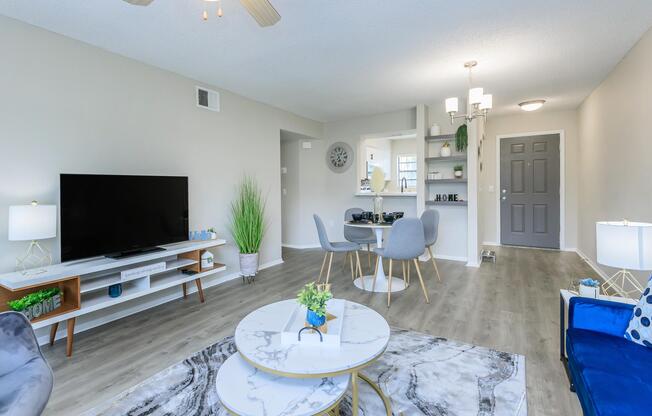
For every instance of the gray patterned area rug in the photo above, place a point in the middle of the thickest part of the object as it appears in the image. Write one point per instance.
(422, 375)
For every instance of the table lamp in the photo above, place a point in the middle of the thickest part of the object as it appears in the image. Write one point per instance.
(31, 223)
(627, 246)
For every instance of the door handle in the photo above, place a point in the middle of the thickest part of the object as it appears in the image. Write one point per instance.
(503, 198)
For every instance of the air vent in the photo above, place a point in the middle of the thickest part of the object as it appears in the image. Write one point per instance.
(208, 99)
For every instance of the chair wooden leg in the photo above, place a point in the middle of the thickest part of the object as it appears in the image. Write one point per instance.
(434, 263)
(359, 269)
(53, 332)
(323, 263)
(346, 255)
(185, 290)
(404, 273)
(200, 291)
(373, 285)
(389, 283)
(369, 255)
(351, 263)
(423, 286)
(330, 263)
(71, 336)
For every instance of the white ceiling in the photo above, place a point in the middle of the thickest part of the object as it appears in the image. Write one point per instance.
(338, 59)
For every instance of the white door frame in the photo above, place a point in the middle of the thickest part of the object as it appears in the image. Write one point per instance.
(562, 180)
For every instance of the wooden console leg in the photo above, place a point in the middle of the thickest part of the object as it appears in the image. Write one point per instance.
(200, 290)
(185, 290)
(53, 332)
(71, 336)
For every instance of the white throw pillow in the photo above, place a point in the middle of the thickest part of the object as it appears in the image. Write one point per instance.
(640, 326)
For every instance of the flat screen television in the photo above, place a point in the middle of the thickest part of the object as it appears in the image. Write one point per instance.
(115, 215)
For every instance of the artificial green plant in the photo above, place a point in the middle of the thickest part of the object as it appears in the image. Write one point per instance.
(461, 138)
(248, 216)
(33, 299)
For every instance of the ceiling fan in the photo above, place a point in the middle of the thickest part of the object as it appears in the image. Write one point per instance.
(261, 10)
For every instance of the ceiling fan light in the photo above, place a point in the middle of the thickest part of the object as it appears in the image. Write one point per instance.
(487, 102)
(452, 105)
(475, 95)
(531, 105)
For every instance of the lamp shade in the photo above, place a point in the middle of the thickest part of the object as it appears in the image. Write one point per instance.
(487, 102)
(32, 222)
(475, 95)
(451, 105)
(623, 244)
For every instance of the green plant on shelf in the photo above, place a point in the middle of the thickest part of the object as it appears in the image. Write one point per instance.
(458, 168)
(314, 299)
(32, 299)
(461, 138)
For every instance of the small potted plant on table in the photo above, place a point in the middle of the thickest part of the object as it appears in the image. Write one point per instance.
(315, 301)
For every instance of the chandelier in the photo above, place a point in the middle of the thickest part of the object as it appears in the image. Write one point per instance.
(480, 102)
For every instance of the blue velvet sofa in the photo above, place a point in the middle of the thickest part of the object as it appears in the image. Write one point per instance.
(611, 375)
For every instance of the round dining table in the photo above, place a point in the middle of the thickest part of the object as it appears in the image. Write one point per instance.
(382, 281)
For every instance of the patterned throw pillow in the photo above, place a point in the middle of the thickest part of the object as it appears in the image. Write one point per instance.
(639, 329)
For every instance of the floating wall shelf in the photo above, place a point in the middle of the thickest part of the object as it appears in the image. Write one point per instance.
(448, 203)
(446, 180)
(453, 158)
(441, 137)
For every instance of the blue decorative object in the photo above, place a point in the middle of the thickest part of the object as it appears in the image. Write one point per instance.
(600, 358)
(115, 290)
(639, 330)
(589, 282)
(314, 319)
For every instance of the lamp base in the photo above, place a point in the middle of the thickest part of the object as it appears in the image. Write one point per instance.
(620, 282)
(35, 258)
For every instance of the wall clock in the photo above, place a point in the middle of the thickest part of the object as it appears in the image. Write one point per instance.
(339, 157)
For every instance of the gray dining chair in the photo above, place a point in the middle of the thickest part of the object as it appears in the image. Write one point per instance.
(336, 247)
(26, 379)
(430, 220)
(362, 236)
(406, 242)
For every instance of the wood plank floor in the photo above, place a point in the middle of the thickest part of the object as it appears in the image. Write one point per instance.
(510, 306)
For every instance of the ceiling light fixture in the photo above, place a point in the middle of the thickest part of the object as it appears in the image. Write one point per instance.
(220, 12)
(532, 105)
(480, 102)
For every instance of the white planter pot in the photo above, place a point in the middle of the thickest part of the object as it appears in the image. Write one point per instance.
(248, 264)
(589, 292)
(458, 173)
(445, 151)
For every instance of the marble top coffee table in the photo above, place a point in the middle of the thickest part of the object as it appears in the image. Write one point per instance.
(365, 335)
(247, 391)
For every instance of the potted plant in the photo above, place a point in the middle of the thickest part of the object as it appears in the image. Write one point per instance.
(461, 138)
(445, 150)
(248, 224)
(458, 170)
(315, 302)
(38, 303)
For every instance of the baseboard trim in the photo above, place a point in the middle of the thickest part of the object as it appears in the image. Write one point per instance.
(490, 243)
(105, 319)
(300, 246)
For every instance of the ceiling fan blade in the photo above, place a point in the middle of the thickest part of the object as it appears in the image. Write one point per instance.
(263, 11)
(139, 2)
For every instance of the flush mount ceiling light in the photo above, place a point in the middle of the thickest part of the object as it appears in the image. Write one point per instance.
(261, 10)
(531, 105)
(480, 102)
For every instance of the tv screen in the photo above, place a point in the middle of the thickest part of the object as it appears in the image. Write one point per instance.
(119, 214)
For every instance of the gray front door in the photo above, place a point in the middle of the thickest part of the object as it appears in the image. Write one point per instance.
(529, 191)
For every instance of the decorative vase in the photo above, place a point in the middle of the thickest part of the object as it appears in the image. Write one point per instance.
(435, 130)
(445, 151)
(378, 205)
(248, 264)
(315, 320)
(115, 290)
(458, 173)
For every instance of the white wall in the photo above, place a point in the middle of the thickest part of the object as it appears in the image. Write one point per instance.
(616, 148)
(290, 189)
(69, 107)
(536, 121)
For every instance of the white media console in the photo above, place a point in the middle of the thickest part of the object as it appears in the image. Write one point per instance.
(84, 284)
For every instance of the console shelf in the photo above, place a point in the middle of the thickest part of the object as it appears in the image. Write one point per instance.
(85, 284)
